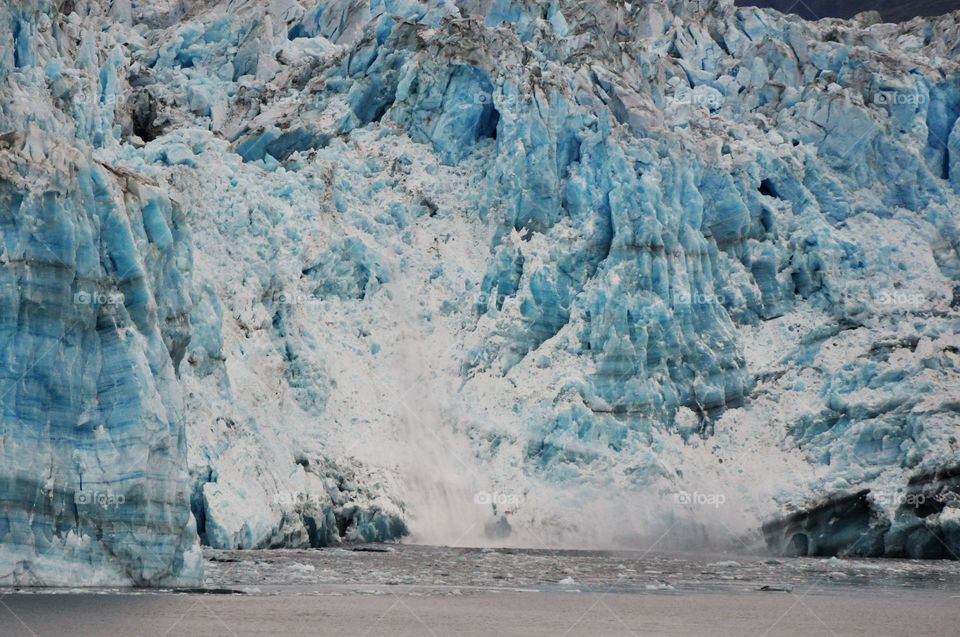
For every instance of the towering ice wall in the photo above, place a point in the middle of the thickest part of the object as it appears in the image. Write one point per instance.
(95, 280)
(721, 250)
(539, 272)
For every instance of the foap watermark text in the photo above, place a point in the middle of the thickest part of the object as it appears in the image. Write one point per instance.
(102, 499)
(697, 499)
(498, 499)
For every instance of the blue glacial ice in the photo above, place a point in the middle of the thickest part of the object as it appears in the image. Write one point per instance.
(293, 273)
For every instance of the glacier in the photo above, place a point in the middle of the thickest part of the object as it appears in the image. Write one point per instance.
(291, 273)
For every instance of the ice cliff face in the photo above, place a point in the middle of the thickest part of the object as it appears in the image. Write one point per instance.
(543, 272)
(96, 269)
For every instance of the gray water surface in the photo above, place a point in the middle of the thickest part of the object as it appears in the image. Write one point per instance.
(401, 590)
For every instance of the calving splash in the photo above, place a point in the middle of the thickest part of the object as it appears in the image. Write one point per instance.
(547, 274)
(436, 469)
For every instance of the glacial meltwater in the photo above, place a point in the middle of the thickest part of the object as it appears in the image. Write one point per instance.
(401, 590)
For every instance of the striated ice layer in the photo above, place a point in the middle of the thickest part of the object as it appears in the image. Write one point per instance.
(95, 276)
(94, 299)
(557, 272)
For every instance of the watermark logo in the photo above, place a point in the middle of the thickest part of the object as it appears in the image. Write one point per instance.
(697, 499)
(290, 298)
(485, 98)
(697, 298)
(899, 499)
(102, 499)
(98, 298)
(297, 497)
(895, 298)
(85, 98)
(898, 98)
(946, 498)
(900, 299)
(705, 99)
(499, 499)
